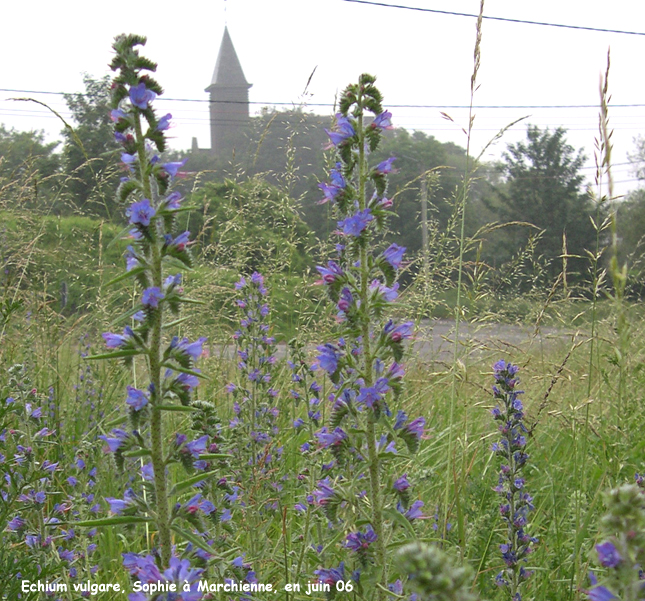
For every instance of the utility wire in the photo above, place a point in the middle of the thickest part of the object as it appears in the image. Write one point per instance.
(506, 19)
(394, 106)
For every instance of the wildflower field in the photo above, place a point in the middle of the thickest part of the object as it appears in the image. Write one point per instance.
(201, 432)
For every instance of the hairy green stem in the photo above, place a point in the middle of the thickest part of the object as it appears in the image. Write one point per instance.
(374, 462)
(154, 369)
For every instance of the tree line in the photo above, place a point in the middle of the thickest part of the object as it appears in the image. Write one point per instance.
(536, 191)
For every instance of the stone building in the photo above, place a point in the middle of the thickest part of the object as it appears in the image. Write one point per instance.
(229, 102)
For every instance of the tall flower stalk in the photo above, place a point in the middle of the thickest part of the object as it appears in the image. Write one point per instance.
(152, 259)
(363, 364)
(517, 503)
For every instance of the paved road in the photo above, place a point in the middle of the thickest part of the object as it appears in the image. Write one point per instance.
(435, 338)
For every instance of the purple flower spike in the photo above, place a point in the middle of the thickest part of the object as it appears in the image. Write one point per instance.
(140, 96)
(151, 297)
(415, 427)
(15, 524)
(601, 593)
(414, 512)
(117, 114)
(140, 213)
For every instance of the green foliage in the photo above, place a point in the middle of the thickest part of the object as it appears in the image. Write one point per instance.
(543, 188)
(27, 161)
(417, 153)
(250, 226)
(90, 149)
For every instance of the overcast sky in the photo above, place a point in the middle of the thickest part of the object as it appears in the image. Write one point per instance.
(419, 58)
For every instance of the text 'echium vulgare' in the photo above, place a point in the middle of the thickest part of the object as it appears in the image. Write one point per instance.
(368, 436)
(155, 259)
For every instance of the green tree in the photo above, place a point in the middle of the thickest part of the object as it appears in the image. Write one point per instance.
(28, 164)
(544, 188)
(417, 153)
(90, 149)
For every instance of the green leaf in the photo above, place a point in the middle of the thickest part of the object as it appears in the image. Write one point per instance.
(184, 370)
(118, 237)
(215, 456)
(127, 315)
(176, 322)
(190, 537)
(117, 519)
(181, 408)
(138, 453)
(115, 422)
(191, 301)
(400, 519)
(185, 484)
(115, 355)
(126, 275)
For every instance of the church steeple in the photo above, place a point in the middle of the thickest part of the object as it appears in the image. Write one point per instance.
(229, 100)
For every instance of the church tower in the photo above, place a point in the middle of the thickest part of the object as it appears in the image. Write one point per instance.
(229, 101)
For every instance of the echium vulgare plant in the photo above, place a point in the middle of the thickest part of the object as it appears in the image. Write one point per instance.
(363, 488)
(622, 550)
(254, 426)
(517, 503)
(155, 255)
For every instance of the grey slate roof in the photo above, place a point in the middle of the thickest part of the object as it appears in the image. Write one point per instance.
(228, 71)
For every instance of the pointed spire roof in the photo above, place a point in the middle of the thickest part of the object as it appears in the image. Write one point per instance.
(228, 71)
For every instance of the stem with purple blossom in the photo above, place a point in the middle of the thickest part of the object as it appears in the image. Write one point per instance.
(516, 503)
(362, 283)
(154, 246)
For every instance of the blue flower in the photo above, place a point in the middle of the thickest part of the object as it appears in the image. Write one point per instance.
(385, 167)
(328, 439)
(343, 130)
(382, 121)
(328, 359)
(164, 123)
(117, 506)
(173, 168)
(331, 576)
(393, 254)
(356, 224)
(140, 213)
(331, 272)
(137, 399)
(359, 541)
(140, 96)
(608, 555)
(151, 297)
(114, 341)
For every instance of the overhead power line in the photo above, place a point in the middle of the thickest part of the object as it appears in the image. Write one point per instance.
(506, 19)
(393, 106)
